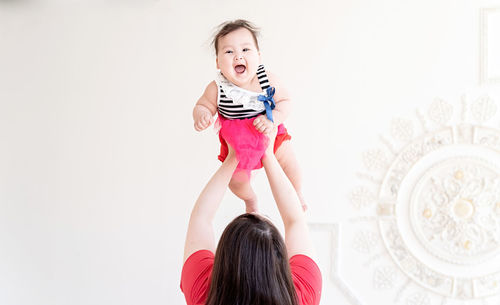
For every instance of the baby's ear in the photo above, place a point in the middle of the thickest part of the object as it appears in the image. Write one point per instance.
(217, 63)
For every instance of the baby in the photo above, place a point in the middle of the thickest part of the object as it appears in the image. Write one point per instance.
(250, 102)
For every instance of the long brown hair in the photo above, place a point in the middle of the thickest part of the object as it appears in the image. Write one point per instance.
(251, 265)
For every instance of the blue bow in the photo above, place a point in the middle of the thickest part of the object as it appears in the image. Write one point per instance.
(268, 102)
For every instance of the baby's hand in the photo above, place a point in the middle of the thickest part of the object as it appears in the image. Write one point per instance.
(202, 119)
(263, 125)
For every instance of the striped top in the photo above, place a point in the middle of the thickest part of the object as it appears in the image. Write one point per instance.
(237, 103)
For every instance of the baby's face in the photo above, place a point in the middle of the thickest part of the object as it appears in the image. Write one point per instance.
(238, 57)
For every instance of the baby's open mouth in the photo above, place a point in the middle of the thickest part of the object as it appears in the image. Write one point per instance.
(240, 68)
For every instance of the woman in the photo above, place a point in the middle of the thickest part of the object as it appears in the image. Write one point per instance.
(253, 265)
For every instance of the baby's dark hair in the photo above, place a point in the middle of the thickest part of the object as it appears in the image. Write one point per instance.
(231, 26)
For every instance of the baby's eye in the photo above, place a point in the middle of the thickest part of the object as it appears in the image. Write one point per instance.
(246, 49)
(229, 52)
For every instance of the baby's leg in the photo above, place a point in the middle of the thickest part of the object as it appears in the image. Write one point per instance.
(288, 161)
(240, 186)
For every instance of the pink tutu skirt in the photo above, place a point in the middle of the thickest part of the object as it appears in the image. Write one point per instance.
(248, 143)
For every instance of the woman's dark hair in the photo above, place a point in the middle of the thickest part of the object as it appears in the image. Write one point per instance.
(231, 26)
(251, 265)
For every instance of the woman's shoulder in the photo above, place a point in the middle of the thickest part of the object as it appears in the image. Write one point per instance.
(302, 259)
(199, 254)
(195, 276)
(307, 279)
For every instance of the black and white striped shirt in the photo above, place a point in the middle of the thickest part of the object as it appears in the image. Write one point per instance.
(230, 110)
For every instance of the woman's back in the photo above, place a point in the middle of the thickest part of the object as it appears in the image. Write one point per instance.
(252, 264)
(197, 271)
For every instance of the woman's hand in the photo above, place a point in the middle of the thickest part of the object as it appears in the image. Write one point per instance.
(263, 124)
(272, 137)
(231, 153)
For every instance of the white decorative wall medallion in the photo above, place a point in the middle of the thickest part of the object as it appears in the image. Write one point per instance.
(454, 210)
(435, 199)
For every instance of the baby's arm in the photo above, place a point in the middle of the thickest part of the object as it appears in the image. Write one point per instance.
(283, 106)
(205, 108)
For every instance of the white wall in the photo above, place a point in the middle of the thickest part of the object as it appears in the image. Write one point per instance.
(100, 164)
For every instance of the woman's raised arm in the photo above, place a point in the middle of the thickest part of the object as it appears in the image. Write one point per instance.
(200, 233)
(297, 237)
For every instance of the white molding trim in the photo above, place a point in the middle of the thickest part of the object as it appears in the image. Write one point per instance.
(485, 77)
(334, 272)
